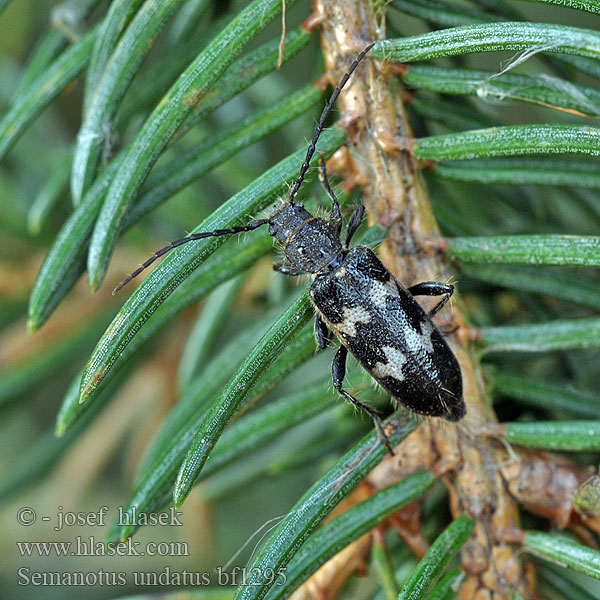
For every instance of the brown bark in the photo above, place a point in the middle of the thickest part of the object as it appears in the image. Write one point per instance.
(395, 197)
(484, 478)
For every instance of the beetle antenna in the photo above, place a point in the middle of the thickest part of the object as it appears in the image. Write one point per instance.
(319, 128)
(190, 238)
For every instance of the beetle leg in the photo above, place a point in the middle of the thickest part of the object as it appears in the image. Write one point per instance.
(338, 369)
(336, 214)
(321, 333)
(287, 270)
(355, 221)
(433, 288)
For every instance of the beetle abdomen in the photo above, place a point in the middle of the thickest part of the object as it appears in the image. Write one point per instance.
(389, 334)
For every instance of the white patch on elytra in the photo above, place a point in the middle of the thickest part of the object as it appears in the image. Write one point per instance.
(352, 316)
(380, 291)
(416, 342)
(423, 338)
(393, 366)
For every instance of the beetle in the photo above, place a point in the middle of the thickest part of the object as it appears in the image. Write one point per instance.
(355, 296)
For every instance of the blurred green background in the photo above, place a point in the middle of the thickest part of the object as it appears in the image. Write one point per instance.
(99, 466)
